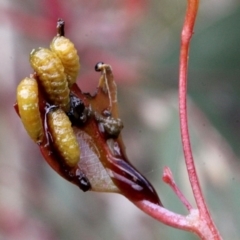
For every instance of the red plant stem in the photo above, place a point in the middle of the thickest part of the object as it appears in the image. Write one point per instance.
(168, 179)
(187, 32)
(191, 222)
(181, 196)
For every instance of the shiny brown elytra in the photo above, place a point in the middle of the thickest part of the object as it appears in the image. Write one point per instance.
(67, 53)
(63, 136)
(28, 106)
(50, 72)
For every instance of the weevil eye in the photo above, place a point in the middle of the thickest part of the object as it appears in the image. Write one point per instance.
(107, 113)
(98, 66)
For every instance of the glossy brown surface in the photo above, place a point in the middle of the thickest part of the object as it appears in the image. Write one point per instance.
(112, 151)
(111, 155)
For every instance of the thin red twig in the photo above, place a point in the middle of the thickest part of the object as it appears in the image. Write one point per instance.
(168, 178)
(192, 222)
(187, 32)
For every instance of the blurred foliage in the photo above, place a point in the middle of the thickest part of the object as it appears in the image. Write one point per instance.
(214, 73)
(140, 39)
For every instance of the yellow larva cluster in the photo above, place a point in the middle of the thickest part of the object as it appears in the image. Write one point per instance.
(63, 136)
(51, 75)
(27, 99)
(56, 70)
(67, 53)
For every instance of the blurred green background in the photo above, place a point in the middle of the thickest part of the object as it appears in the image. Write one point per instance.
(140, 39)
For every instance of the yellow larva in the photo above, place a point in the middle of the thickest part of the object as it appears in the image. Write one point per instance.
(51, 74)
(27, 99)
(67, 53)
(63, 136)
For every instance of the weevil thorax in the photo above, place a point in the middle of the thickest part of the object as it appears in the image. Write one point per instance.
(50, 72)
(28, 106)
(68, 55)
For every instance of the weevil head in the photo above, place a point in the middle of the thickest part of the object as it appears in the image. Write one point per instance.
(78, 113)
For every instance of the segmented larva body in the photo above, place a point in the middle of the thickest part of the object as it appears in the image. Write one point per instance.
(50, 71)
(27, 99)
(63, 136)
(67, 53)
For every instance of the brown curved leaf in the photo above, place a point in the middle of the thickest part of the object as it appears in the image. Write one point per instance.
(103, 164)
